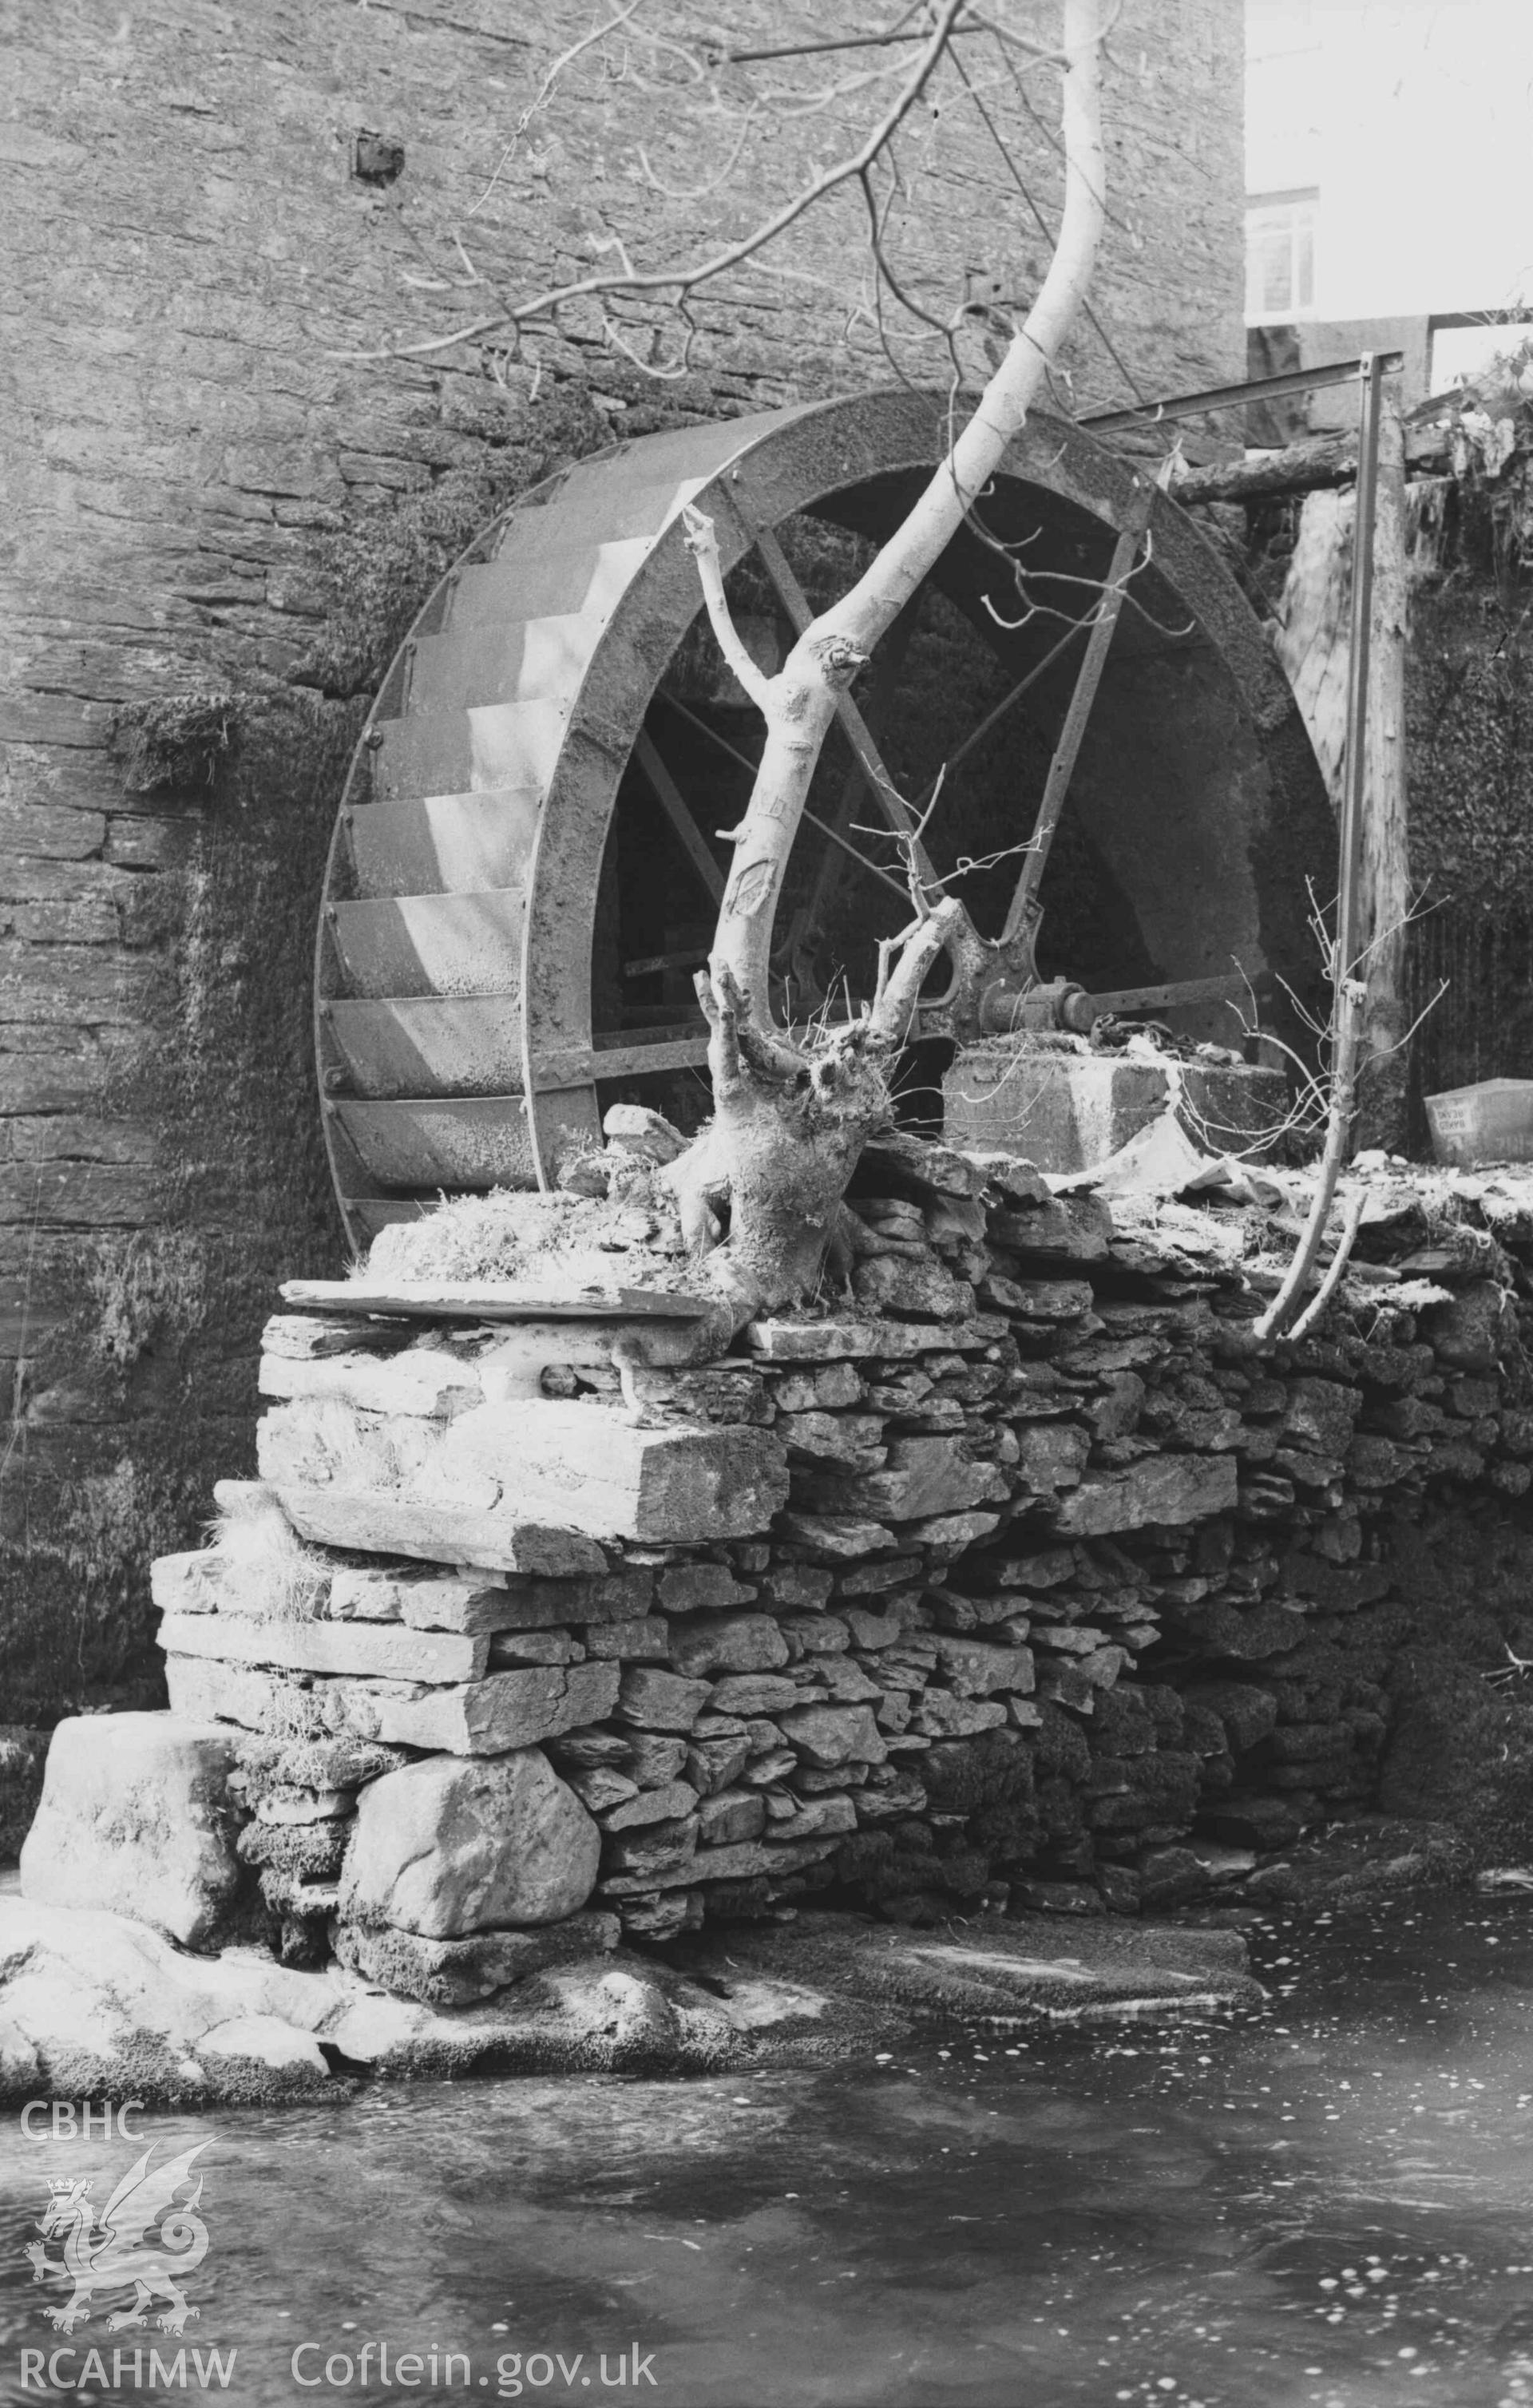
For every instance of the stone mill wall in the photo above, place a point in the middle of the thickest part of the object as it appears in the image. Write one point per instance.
(1032, 1575)
(220, 517)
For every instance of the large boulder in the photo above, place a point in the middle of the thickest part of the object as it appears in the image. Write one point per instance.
(135, 1817)
(451, 1845)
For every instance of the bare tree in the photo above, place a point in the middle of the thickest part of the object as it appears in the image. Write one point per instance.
(761, 1187)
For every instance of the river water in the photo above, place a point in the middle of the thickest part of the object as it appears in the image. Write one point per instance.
(1330, 2202)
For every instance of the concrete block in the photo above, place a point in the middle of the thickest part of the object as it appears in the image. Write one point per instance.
(1068, 1110)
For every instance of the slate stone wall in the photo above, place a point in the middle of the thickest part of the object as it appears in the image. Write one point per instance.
(1082, 1597)
(220, 518)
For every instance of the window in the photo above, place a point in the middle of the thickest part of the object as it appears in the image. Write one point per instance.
(1466, 350)
(1279, 259)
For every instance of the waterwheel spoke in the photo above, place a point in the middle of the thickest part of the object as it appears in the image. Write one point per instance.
(813, 817)
(673, 803)
(1022, 917)
(993, 718)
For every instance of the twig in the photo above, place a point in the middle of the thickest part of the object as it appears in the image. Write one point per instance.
(1351, 1222)
(682, 279)
(1350, 1006)
(564, 59)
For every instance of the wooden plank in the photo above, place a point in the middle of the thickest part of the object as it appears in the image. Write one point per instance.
(688, 1053)
(487, 1301)
(444, 844)
(1303, 467)
(426, 1046)
(476, 1143)
(520, 659)
(432, 944)
(1386, 894)
(494, 746)
(418, 1048)
(572, 575)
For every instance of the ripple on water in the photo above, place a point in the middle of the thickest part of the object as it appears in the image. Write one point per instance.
(1325, 2204)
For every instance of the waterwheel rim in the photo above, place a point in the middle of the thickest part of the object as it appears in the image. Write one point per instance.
(454, 1036)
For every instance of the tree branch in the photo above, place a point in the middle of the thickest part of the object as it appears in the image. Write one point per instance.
(702, 542)
(1350, 1005)
(899, 989)
(682, 280)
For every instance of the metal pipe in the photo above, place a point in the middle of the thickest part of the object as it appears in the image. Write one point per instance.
(1235, 396)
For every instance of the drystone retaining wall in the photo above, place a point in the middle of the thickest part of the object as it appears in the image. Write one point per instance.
(1033, 1572)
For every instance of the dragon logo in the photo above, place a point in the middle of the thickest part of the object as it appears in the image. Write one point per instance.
(125, 2250)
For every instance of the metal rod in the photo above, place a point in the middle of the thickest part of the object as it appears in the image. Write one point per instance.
(1227, 987)
(1349, 932)
(1234, 396)
(1020, 917)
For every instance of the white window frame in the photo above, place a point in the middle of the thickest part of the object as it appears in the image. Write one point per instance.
(1294, 215)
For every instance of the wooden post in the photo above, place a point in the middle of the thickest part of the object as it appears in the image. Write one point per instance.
(1385, 884)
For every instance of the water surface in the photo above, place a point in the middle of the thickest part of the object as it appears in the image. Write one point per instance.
(1329, 2203)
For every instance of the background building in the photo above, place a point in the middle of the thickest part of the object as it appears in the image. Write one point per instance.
(1386, 189)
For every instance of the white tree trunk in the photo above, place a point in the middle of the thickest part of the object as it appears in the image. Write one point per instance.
(761, 1187)
(799, 703)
